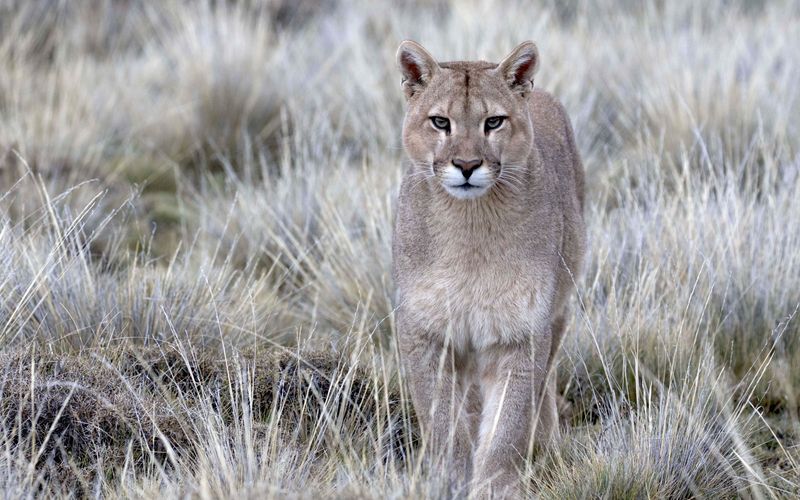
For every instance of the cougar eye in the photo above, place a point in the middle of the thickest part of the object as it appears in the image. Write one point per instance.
(441, 123)
(493, 122)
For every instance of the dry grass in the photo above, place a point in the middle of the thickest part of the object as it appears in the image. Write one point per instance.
(195, 232)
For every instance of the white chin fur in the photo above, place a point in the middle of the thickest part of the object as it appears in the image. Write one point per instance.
(480, 181)
(464, 193)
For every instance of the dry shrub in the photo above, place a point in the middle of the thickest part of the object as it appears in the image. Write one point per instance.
(247, 158)
(660, 453)
(75, 417)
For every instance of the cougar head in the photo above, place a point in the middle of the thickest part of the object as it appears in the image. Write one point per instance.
(468, 124)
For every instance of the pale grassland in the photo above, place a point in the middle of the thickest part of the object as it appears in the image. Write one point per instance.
(196, 194)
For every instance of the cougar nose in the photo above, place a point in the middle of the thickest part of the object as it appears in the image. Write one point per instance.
(467, 167)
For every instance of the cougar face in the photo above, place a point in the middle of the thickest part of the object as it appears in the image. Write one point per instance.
(467, 124)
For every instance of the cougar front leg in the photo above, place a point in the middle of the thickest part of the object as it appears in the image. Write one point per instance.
(511, 380)
(441, 402)
(547, 430)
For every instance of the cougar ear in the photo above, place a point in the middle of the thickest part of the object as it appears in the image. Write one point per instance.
(519, 67)
(416, 65)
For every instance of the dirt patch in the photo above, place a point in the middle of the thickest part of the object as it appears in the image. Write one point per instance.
(133, 406)
(69, 414)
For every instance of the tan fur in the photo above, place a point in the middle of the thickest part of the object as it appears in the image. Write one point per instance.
(483, 283)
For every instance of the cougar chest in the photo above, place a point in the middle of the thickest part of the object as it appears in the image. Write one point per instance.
(477, 293)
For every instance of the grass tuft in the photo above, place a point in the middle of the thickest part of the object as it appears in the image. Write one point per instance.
(196, 205)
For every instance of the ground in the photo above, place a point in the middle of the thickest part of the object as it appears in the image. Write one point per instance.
(196, 203)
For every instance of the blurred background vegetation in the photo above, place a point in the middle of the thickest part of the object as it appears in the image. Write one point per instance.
(196, 203)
